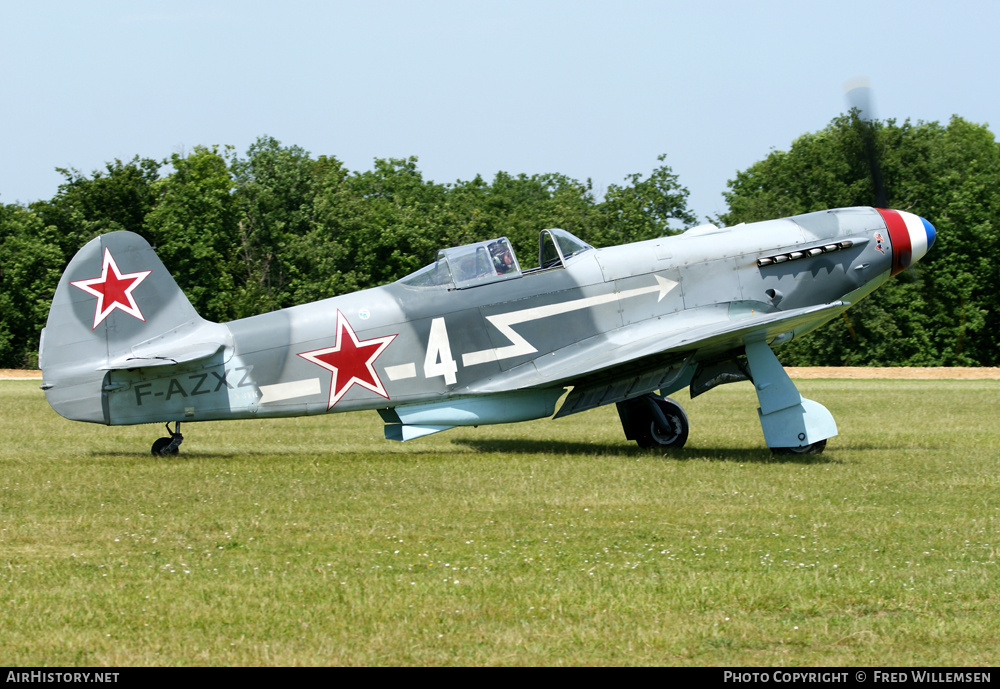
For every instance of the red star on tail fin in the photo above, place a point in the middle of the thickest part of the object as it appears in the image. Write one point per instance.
(113, 290)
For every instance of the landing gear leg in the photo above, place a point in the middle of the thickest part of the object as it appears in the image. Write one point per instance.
(169, 446)
(792, 424)
(653, 421)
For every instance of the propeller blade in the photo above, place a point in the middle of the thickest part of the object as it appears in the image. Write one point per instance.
(859, 97)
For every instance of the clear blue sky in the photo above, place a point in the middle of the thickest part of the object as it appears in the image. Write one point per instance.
(588, 89)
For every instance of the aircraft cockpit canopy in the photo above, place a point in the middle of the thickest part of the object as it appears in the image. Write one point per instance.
(491, 261)
(468, 266)
(556, 246)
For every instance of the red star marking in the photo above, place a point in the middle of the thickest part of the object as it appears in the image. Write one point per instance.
(351, 361)
(113, 290)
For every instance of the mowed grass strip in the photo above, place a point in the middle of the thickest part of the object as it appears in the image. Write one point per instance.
(313, 541)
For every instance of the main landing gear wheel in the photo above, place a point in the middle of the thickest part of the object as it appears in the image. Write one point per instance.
(653, 421)
(167, 447)
(811, 449)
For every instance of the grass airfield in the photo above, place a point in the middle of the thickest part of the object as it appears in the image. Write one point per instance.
(313, 541)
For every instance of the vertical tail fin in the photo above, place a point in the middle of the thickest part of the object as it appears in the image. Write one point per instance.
(116, 307)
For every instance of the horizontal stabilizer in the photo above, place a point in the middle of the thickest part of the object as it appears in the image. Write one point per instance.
(191, 342)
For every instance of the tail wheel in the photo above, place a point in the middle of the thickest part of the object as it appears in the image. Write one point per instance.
(166, 447)
(161, 447)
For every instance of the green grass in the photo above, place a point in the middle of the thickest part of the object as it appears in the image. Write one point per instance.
(313, 541)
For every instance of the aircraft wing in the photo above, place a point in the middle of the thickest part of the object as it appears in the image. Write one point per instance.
(649, 347)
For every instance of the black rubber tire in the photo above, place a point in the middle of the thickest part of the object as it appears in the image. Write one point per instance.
(161, 443)
(647, 431)
(812, 449)
(674, 437)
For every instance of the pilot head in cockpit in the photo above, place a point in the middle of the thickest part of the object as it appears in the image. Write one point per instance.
(503, 259)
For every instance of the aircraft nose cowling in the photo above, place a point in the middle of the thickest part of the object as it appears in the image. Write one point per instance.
(910, 235)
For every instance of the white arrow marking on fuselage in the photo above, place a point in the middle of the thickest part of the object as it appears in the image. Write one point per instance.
(520, 346)
(289, 390)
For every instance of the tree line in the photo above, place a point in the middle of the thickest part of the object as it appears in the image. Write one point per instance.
(244, 234)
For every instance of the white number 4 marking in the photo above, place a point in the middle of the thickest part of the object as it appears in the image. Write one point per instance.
(439, 361)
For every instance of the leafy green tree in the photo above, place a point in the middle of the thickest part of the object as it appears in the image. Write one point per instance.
(277, 228)
(274, 195)
(117, 198)
(30, 266)
(960, 276)
(369, 228)
(194, 229)
(645, 208)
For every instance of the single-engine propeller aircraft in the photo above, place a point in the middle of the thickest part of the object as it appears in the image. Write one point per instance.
(475, 338)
